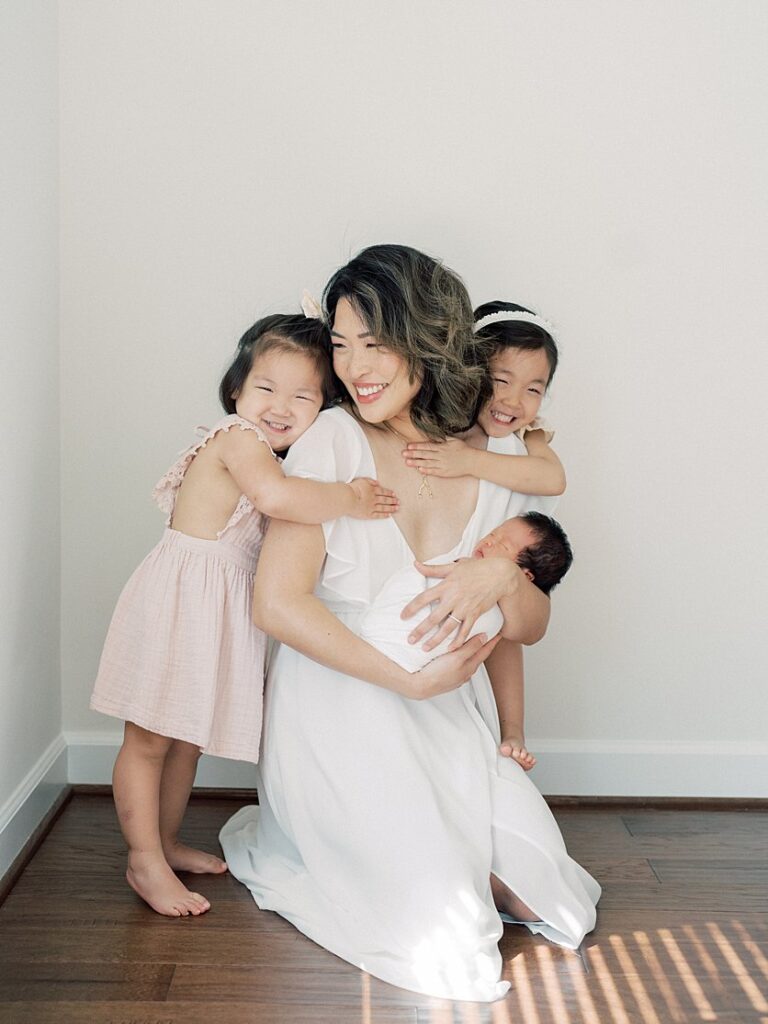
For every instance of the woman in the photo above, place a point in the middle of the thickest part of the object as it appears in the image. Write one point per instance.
(389, 830)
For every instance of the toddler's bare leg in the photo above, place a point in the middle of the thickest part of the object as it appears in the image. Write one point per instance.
(508, 903)
(505, 667)
(136, 787)
(176, 785)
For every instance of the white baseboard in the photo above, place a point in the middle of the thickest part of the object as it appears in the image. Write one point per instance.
(92, 755)
(565, 768)
(639, 768)
(31, 800)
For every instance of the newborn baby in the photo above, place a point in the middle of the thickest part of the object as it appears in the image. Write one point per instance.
(535, 541)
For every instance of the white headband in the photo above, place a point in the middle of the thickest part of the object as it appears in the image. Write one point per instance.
(519, 315)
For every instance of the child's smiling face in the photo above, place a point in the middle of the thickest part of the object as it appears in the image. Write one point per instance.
(520, 378)
(282, 394)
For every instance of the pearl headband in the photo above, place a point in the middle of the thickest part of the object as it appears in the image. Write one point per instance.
(515, 315)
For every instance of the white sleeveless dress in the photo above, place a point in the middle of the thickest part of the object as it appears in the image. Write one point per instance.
(381, 818)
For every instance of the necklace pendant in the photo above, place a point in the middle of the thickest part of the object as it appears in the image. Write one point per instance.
(425, 488)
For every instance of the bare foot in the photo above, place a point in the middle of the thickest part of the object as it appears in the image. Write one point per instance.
(151, 878)
(186, 858)
(513, 746)
(508, 903)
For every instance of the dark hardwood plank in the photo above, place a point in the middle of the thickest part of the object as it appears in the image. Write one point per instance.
(85, 982)
(81, 884)
(691, 823)
(29, 849)
(683, 896)
(682, 935)
(724, 871)
(187, 941)
(197, 1013)
(622, 870)
(32, 912)
(343, 986)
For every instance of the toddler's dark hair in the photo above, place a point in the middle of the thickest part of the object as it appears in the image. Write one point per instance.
(286, 332)
(550, 558)
(516, 333)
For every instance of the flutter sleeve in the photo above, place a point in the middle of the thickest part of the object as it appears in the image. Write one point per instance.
(330, 451)
(538, 423)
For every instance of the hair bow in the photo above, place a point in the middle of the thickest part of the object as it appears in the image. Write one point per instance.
(310, 307)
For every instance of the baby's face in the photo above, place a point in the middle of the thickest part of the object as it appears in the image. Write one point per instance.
(519, 382)
(506, 541)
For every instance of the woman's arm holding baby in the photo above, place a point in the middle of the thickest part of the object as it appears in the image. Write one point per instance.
(538, 472)
(284, 605)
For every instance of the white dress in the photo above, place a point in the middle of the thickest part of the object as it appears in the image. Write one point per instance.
(381, 818)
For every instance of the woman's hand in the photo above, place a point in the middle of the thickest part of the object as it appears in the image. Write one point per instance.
(449, 671)
(470, 587)
(449, 458)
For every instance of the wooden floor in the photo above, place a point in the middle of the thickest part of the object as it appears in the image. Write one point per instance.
(682, 936)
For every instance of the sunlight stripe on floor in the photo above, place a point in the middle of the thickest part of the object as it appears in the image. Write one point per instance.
(633, 979)
(736, 964)
(687, 976)
(751, 946)
(659, 976)
(611, 993)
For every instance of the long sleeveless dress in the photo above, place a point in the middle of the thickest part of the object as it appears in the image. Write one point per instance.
(182, 656)
(381, 818)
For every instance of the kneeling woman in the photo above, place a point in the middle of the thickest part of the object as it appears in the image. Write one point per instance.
(389, 829)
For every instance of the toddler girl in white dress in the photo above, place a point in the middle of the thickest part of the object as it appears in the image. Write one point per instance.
(514, 452)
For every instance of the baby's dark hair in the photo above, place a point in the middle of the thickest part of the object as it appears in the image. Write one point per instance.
(516, 333)
(285, 332)
(550, 558)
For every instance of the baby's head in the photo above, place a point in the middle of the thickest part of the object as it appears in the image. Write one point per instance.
(523, 361)
(536, 542)
(280, 377)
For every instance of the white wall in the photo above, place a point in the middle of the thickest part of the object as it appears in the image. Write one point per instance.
(604, 162)
(32, 760)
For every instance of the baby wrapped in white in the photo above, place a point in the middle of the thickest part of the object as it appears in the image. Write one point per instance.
(383, 628)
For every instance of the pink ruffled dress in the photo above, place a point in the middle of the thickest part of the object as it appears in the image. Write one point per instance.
(182, 656)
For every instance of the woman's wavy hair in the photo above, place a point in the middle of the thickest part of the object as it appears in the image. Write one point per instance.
(285, 332)
(421, 310)
(516, 333)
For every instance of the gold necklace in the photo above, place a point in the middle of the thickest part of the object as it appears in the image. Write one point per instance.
(425, 485)
(425, 490)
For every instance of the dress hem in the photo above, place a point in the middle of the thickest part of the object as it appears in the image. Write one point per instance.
(129, 714)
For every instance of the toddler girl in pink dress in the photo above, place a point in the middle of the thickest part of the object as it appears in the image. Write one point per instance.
(183, 662)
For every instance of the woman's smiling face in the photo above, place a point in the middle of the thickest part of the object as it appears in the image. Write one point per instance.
(376, 377)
